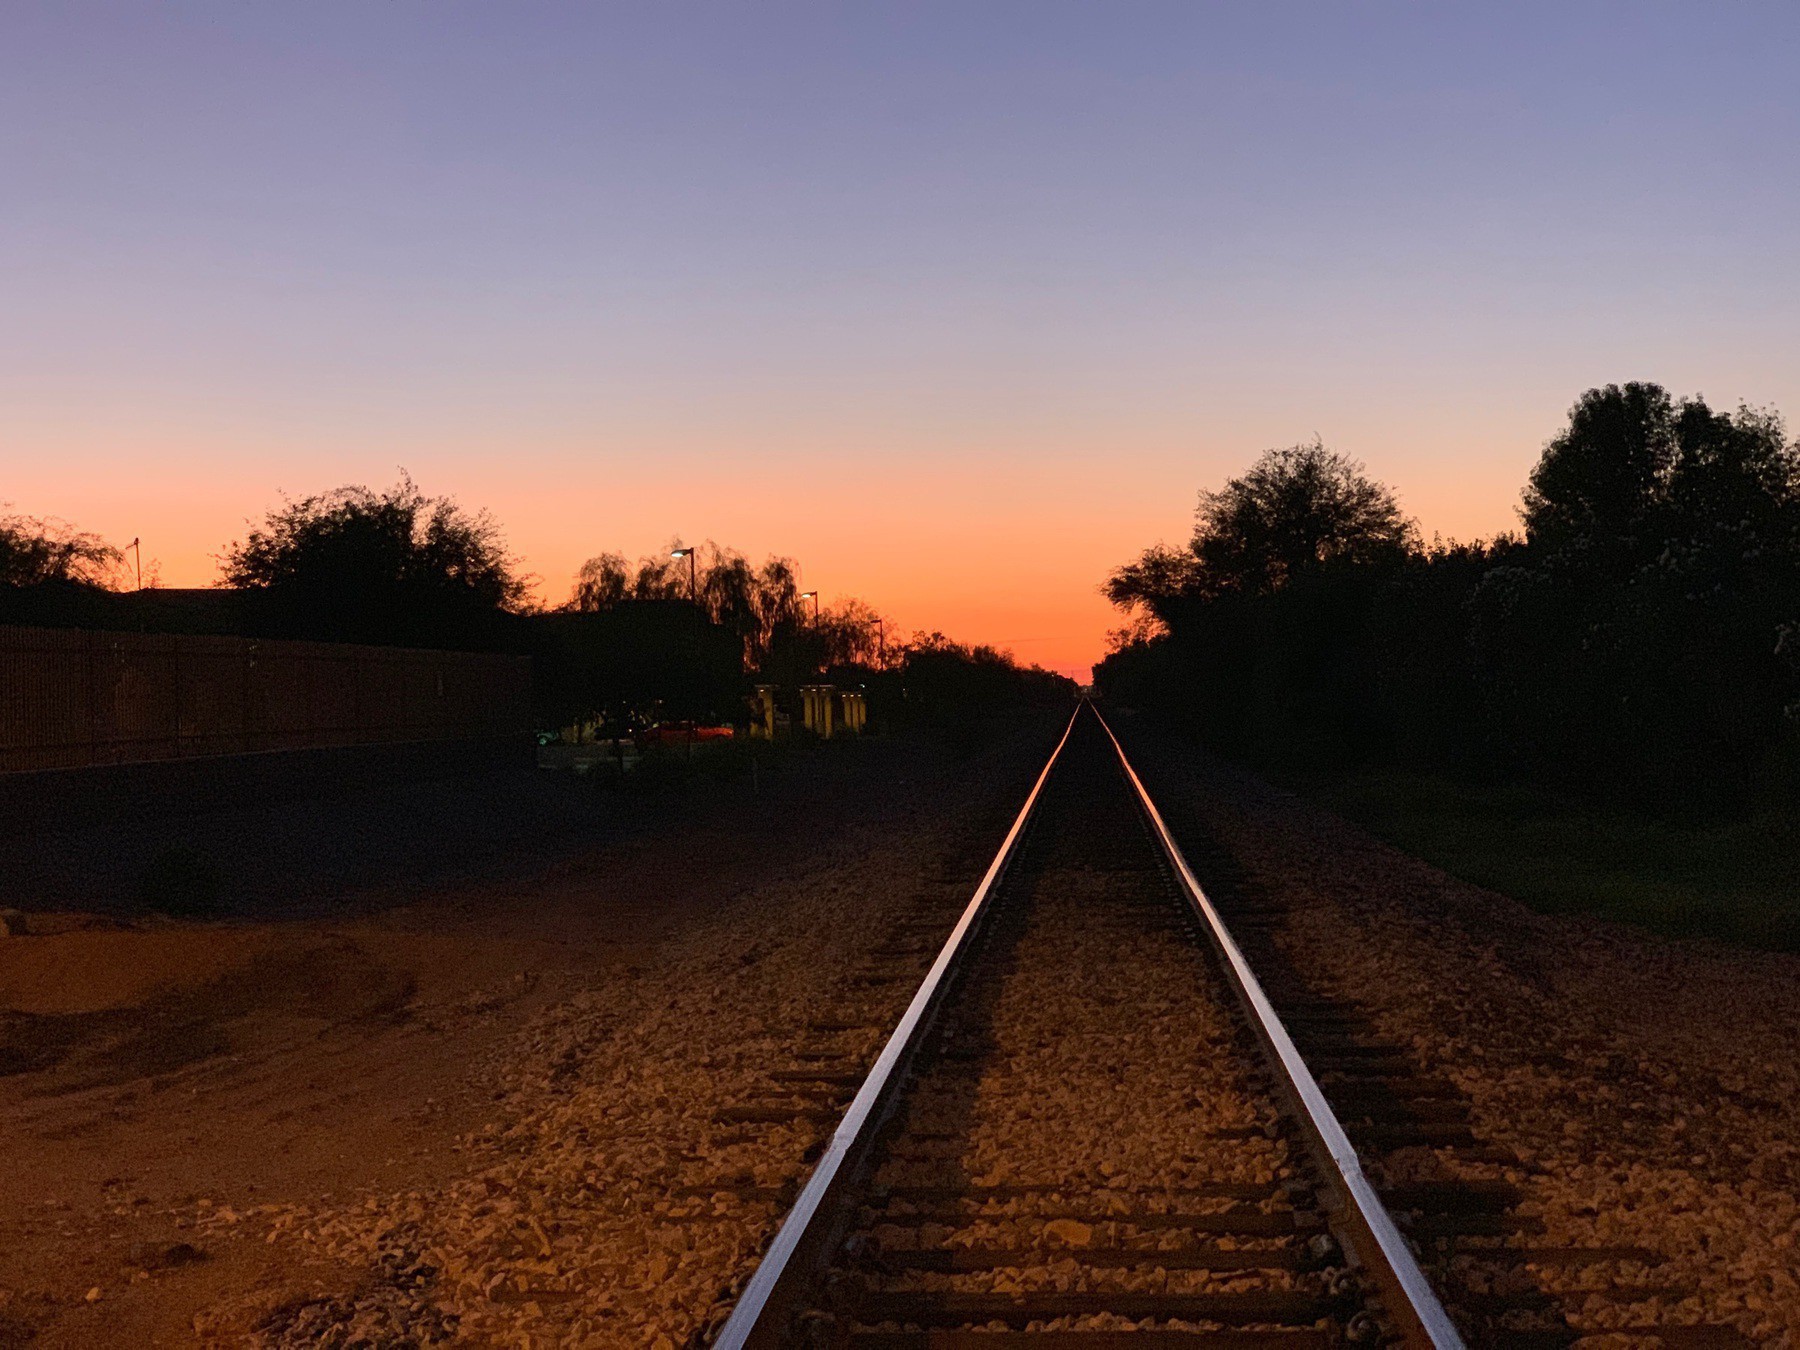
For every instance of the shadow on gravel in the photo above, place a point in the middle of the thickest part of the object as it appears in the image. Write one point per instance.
(1405, 1122)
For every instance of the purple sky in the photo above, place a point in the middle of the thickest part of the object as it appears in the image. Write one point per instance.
(957, 303)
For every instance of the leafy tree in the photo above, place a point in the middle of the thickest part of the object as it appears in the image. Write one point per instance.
(780, 634)
(1156, 581)
(1295, 513)
(1636, 467)
(1258, 628)
(1733, 471)
(850, 634)
(392, 567)
(1602, 475)
(652, 638)
(35, 552)
(603, 583)
(725, 615)
(54, 576)
(1639, 640)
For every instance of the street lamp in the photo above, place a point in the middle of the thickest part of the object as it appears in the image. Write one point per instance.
(693, 580)
(687, 551)
(823, 655)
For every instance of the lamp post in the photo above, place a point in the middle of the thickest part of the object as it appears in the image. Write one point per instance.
(814, 597)
(687, 552)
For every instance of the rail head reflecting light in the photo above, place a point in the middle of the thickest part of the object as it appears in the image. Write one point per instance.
(1428, 1323)
(1412, 1304)
(744, 1328)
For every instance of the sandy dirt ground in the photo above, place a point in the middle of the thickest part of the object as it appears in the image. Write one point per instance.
(206, 1125)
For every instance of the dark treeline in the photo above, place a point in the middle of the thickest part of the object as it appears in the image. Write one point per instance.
(670, 638)
(689, 632)
(52, 575)
(1639, 640)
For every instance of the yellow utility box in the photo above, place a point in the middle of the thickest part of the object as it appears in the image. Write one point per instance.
(816, 708)
(855, 710)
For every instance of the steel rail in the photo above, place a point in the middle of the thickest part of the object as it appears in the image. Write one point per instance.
(1408, 1296)
(749, 1326)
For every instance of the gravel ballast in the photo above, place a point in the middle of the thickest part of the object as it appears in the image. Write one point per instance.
(609, 1202)
(1649, 1086)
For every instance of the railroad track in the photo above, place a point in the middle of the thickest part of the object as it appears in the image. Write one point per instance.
(1462, 1201)
(1095, 1126)
(1085, 1127)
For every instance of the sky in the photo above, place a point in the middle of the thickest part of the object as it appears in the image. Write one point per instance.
(958, 304)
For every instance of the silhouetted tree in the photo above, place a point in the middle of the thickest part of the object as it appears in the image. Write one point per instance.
(602, 583)
(782, 638)
(54, 576)
(393, 567)
(1601, 476)
(628, 647)
(1260, 623)
(1157, 581)
(1639, 639)
(36, 551)
(1636, 468)
(1297, 512)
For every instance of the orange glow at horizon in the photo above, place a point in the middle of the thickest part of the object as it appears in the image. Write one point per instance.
(998, 547)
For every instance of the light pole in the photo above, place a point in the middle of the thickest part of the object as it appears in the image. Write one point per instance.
(814, 597)
(687, 551)
(693, 580)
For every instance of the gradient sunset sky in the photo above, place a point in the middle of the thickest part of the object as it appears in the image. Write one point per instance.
(958, 304)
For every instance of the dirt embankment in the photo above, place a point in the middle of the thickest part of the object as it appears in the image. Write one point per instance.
(256, 1129)
(1650, 1085)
